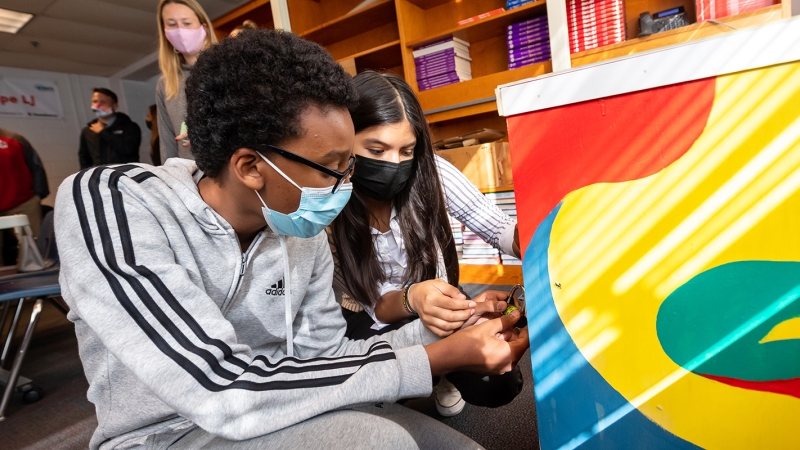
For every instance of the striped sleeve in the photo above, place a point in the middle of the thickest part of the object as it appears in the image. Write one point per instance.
(466, 203)
(123, 281)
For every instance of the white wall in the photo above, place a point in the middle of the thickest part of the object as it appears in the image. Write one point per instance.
(57, 140)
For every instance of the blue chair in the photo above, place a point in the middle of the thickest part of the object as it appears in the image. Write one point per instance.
(39, 286)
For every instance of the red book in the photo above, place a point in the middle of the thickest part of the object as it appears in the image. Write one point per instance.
(481, 16)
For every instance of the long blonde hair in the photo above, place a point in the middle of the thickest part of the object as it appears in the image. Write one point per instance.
(168, 59)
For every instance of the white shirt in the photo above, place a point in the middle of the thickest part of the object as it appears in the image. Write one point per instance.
(466, 204)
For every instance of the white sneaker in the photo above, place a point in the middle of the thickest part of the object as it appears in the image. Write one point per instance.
(448, 400)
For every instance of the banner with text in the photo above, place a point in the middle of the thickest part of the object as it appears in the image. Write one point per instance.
(29, 98)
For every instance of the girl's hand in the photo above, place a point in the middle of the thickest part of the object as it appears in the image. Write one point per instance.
(442, 308)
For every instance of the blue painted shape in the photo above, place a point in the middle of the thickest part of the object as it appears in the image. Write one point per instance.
(571, 396)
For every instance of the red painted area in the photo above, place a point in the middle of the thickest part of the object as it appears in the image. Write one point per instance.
(621, 138)
(785, 387)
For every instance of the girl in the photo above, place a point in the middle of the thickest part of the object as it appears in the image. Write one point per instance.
(184, 30)
(393, 244)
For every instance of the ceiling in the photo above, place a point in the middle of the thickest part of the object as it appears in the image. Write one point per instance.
(90, 37)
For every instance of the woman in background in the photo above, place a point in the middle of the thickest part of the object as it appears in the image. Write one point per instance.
(393, 246)
(246, 25)
(184, 30)
(151, 120)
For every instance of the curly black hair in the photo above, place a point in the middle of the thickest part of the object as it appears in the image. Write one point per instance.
(250, 91)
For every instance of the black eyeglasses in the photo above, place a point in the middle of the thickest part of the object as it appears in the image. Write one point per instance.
(340, 176)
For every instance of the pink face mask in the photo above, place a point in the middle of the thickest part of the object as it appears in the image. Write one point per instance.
(187, 40)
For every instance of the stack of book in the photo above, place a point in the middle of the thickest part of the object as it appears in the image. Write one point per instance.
(442, 63)
(511, 4)
(476, 251)
(458, 237)
(711, 9)
(528, 42)
(595, 23)
(507, 203)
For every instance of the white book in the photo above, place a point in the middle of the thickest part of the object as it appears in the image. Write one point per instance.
(461, 48)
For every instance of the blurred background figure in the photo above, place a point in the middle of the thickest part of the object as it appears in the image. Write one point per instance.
(23, 184)
(246, 25)
(184, 30)
(112, 137)
(152, 124)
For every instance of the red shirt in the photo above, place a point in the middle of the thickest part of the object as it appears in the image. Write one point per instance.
(16, 183)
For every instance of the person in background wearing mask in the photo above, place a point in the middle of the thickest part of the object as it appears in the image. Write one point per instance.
(201, 290)
(152, 124)
(112, 137)
(184, 29)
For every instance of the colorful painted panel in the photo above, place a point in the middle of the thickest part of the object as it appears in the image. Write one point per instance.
(663, 264)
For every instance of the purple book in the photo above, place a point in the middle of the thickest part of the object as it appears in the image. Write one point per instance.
(427, 72)
(449, 53)
(527, 30)
(453, 62)
(536, 21)
(425, 86)
(528, 40)
(439, 80)
(448, 76)
(529, 61)
(528, 52)
(438, 58)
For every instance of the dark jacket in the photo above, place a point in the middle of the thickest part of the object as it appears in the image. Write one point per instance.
(116, 144)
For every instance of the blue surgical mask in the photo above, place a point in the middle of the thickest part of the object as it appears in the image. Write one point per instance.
(318, 207)
(103, 114)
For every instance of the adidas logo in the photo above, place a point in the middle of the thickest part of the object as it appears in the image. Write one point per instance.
(276, 289)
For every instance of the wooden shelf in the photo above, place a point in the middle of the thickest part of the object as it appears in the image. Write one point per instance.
(380, 57)
(387, 57)
(350, 25)
(258, 11)
(487, 28)
(677, 36)
(485, 274)
(428, 4)
(481, 88)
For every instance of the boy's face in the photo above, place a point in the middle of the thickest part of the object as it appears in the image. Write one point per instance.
(327, 140)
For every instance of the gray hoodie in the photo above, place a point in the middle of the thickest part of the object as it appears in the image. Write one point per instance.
(176, 326)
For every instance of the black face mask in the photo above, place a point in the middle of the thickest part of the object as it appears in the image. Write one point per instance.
(381, 180)
(149, 124)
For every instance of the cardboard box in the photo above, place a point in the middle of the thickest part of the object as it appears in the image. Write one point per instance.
(486, 165)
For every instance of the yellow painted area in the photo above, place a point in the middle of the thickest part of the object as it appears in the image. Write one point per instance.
(619, 249)
(788, 329)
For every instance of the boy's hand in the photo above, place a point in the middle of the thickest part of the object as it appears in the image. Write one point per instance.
(492, 347)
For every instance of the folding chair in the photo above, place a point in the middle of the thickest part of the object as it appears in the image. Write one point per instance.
(19, 286)
(39, 288)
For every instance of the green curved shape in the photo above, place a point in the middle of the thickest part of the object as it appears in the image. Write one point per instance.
(708, 308)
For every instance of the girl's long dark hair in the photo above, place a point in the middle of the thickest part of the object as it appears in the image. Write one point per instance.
(386, 99)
